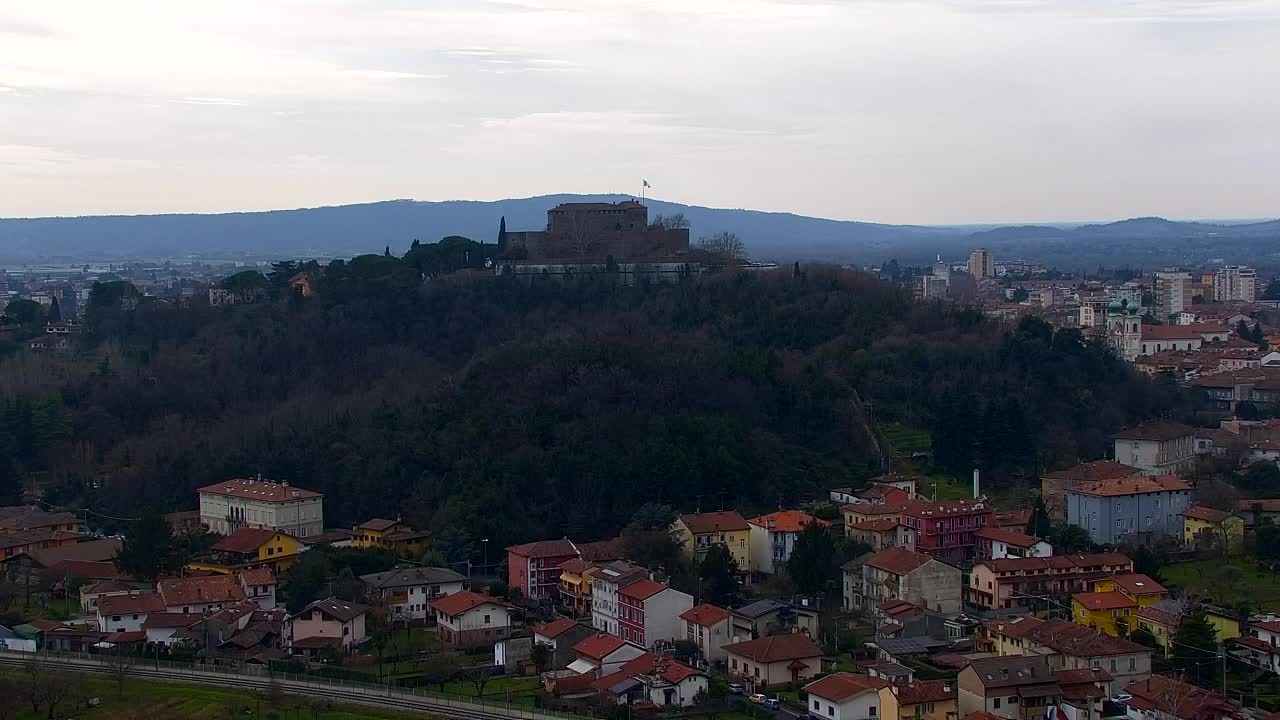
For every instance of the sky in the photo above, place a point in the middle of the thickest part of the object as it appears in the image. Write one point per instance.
(903, 111)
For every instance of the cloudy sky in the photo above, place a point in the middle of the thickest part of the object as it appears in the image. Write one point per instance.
(926, 111)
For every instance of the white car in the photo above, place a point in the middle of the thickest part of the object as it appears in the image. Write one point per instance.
(1121, 697)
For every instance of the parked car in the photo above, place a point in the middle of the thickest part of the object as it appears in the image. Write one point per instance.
(1121, 697)
(735, 688)
(773, 704)
(757, 699)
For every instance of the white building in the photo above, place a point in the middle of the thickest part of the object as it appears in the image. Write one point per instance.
(466, 620)
(773, 537)
(258, 503)
(407, 593)
(127, 613)
(605, 585)
(1157, 448)
(1171, 293)
(649, 612)
(1236, 284)
(710, 628)
(845, 696)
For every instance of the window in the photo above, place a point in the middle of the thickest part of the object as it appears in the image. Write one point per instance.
(815, 704)
(346, 631)
(1133, 663)
(486, 620)
(115, 618)
(831, 710)
(996, 704)
(1013, 699)
(871, 711)
(757, 671)
(1113, 664)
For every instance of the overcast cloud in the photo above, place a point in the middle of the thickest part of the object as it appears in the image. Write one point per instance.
(925, 111)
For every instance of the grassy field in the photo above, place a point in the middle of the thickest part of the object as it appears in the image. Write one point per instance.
(499, 686)
(1228, 588)
(169, 701)
(904, 440)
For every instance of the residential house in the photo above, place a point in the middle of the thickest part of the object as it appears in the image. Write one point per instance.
(1139, 588)
(1011, 687)
(1083, 692)
(709, 627)
(1164, 698)
(93, 592)
(575, 585)
(697, 532)
(407, 593)
(775, 660)
(881, 534)
(605, 585)
(1259, 644)
(773, 536)
(919, 700)
(1226, 390)
(127, 613)
(259, 503)
(1226, 623)
(1013, 519)
(1258, 510)
(649, 612)
(259, 585)
(251, 547)
(1206, 527)
(1054, 486)
(326, 624)
(26, 542)
(948, 530)
(601, 654)
(772, 616)
(391, 534)
(561, 636)
(534, 568)
(1106, 611)
(467, 620)
(652, 680)
(1131, 510)
(897, 573)
(162, 627)
(996, 543)
(200, 595)
(16, 518)
(859, 513)
(1161, 621)
(845, 696)
(1068, 646)
(1156, 448)
(1021, 582)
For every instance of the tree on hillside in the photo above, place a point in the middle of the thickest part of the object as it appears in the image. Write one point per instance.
(719, 575)
(1148, 562)
(1267, 541)
(1273, 290)
(724, 247)
(25, 312)
(1039, 525)
(814, 563)
(652, 516)
(1071, 539)
(148, 550)
(55, 312)
(1196, 649)
(1261, 479)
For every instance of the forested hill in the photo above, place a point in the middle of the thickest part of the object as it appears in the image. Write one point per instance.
(488, 408)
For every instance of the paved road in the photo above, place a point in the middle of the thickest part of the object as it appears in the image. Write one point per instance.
(378, 697)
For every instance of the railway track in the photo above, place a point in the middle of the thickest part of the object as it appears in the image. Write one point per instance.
(384, 698)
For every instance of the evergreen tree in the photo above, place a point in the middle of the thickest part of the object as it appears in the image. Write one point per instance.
(148, 550)
(1196, 649)
(814, 563)
(1040, 525)
(502, 233)
(55, 312)
(386, 251)
(1244, 331)
(719, 574)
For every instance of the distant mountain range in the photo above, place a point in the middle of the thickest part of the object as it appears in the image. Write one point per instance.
(353, 229)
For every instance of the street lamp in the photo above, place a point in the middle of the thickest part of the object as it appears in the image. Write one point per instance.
(484, 543)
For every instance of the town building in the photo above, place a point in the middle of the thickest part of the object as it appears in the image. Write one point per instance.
(468, 620)
(561, 636)
(606, 583)
(845, 696)
(649, 612)
(999, 543)
(900, 574)
(1236, 283)
(982, 264)
(128, 612)
(1053, 486)
(1015, 688)
(259, 586)
(698, 532)
(18, 518)
(329, 623)
(708, 627)
(1124, 328)
(773, 536)
(774, 660)
(392, 534)
(575, 585)
(919, 700)
(1022, 583)
(258, 503)
(1171, 293)
(1164, 698)
(200, 595)
(1062, 645)
(534, 568)
(857, 514)
(881, 534)
(1156, 448)
(252, 547)
(1105, 611)
(947, 530)
(407, 593)
(1161, 621)
(1206, 527)
(601, 654)
(1133, 510)
(772, 616)
(654, 681)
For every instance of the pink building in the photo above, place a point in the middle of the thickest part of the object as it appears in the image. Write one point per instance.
(535, 567)
(649, 611)
(328, 623)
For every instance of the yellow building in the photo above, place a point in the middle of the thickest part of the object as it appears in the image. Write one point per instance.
(575, 585)
(1106, 611)
(1006, 636)
(1162, 625)
(919, 700)
(697, 532)
(379, 532)
(1206, 525)
(1226, 625)
(253, 547)
(1139, 588)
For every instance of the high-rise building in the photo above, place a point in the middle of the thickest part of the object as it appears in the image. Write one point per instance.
(1171, 293)
(982, 264)
(1235, 283)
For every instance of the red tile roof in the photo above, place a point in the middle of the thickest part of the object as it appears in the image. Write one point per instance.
(1008, 537)
(711, 522)
(897, 560)
(1096, 470)
(1075, 640)
(1266, 504)
(170, 620)
(1200, 512)
(1014, 627)
(1154, 614)
(666, 668)
(705, 615)
(259, 490)
(245, 541)
(457, 603)
(1177, 698)
(642, 589)
(1158, 430)
(90, 569)
(889, 507)
(200, 590)
(545, 548)
(598, 646)
(882, 525)
(147, 602)
(1141, 484)
(775, 648)
(1138, 584)
(1103, 600)
(378, 525)
(575, 566)
(1033, 564)
(604, 550)
(1013, 518)
(555, 628)
(787, 521)
(841, 686)
(926, 691)
(928, 508)
(260, 577)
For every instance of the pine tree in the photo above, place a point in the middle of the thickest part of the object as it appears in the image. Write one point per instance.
(1196, 649)
(148, 550)
(502, 232)
(55, 312)
(719, 572)
(814, 562)
(1040, 525)
(386, 252)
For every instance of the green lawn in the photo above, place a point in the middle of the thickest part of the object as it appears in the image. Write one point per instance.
(498, 686)
(156, 700)
(904, 440)
(1227, 588)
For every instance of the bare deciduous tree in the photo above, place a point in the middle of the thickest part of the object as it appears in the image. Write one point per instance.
(675, 221)
(726, 247)
(120, 664)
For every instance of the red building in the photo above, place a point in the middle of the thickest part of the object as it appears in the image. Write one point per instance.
(947, 530)
(535, 567)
